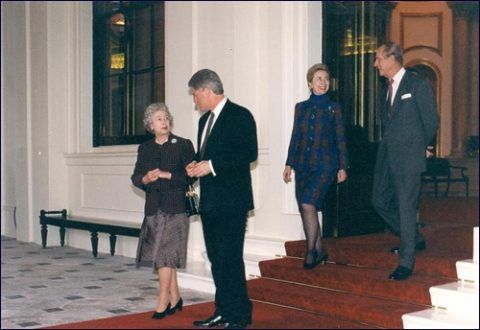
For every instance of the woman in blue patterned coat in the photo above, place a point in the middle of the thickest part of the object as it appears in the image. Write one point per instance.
(317, 153)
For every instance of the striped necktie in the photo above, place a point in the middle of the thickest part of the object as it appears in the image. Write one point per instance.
(389, 99)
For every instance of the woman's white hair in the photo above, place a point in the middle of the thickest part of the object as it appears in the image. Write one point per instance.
(150, 110)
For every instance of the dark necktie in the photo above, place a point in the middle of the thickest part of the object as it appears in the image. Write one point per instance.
(209, 127)
(389, 99)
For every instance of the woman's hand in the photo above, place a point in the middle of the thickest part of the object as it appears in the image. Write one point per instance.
(154, 175)
(341, 176)
(287, 174)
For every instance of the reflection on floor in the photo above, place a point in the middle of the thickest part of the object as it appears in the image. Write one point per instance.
(56, 285)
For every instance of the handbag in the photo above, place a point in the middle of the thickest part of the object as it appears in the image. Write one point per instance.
(191, 201)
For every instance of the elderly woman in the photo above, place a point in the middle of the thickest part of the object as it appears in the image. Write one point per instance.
(160, 172)
(317, 153)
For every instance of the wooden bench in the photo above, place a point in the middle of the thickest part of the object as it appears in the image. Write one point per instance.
(94, 226)
(439, 170)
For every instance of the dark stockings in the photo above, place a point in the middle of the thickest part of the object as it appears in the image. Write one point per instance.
(311, 227)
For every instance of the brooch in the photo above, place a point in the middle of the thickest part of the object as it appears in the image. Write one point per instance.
(174, 140)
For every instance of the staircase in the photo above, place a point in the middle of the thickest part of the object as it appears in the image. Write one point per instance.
(353, 290)
(456, 303)
(353, 287)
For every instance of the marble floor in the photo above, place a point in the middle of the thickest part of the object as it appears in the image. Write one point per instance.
(56, 285)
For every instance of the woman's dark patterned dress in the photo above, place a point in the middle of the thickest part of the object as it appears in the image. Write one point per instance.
(317, 148)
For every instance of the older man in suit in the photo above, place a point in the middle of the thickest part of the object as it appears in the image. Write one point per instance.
(227, 144)
(409, 121)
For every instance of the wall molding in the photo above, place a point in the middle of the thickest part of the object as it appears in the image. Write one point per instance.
(421, 17)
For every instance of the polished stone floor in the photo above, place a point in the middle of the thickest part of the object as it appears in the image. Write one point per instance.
(57, 285)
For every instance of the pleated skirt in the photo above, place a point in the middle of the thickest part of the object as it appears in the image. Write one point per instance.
(163, 241)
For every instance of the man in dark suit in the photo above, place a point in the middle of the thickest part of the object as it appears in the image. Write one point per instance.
(227, 144)
(409, 121)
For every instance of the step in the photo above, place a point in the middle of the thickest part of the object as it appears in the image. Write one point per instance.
(196, 277)
(435, 318)
(252, 262)
(449, 210)
(268, 316)
(197, 274)
(265, 246)
(374, 250)
(457, 297)
(346, 306)
(467, 270)
(382, 258)
(360, 280)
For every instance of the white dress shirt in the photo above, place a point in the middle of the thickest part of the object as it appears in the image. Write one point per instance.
(397, 78)
(218, 109)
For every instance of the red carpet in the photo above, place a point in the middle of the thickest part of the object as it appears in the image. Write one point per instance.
(265, 317)
(352, 290)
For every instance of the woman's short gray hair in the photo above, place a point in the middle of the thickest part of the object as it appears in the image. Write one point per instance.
(151, 109)
(206, 78)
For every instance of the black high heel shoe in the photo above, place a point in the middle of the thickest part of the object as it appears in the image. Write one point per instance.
(311, 255)
(318, 259)
(323, 258)
(161, 315)
(178, 306)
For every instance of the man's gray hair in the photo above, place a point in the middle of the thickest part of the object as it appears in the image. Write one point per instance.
(151, 109)
(206, 78)
(391, 48)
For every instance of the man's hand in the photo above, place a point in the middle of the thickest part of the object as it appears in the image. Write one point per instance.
(198, 170)
(190, 168)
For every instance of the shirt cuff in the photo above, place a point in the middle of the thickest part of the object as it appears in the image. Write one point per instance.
(211, 167)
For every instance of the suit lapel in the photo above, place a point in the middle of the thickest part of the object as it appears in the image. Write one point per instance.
(201, 127)
(216, 129)
(219, 122)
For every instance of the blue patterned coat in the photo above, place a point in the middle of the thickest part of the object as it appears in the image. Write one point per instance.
(317, 148)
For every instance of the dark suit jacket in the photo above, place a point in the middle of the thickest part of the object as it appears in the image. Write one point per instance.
(173, 156)
(231, 147)
(413, 123)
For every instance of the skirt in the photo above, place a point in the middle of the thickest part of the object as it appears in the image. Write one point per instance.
(163, 241)
(311, 188)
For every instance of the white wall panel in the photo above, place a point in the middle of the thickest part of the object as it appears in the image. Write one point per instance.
(261, 50)
(113, 192)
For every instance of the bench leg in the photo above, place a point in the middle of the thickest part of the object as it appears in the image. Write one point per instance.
(113, 240)
(62, 236)
(448, 189)
(44, 232)
(94, 239)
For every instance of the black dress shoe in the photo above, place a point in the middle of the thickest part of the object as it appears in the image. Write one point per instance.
(161, 315)
(178, 305)
(419, 247)
(233, 325)
(212, 321)
(321, 259)
(400, 274)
